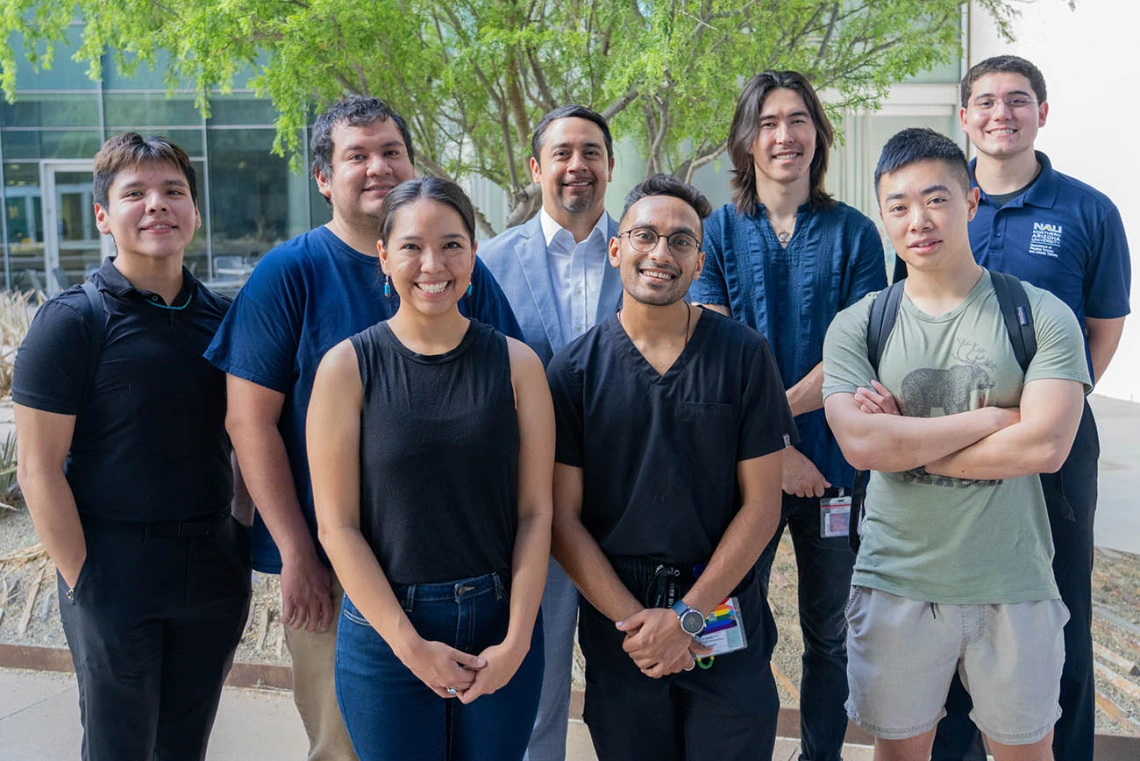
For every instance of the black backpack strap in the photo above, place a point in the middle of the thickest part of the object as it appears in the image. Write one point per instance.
(884, 313)
(96, 316)
(1014, 304)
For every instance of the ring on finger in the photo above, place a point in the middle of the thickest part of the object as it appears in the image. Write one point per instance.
(452, 691)
(692, 665)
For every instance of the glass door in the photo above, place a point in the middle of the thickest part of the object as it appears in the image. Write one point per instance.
(73, 246)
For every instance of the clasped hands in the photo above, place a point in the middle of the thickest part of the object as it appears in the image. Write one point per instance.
(452, 673)
(657, 644)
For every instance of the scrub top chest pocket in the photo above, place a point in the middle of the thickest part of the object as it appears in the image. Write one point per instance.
(708, 433)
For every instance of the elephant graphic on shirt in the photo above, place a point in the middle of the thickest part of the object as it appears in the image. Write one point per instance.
(951, 390)
(927, 389)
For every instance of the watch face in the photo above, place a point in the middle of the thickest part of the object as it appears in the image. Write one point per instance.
(693, 622)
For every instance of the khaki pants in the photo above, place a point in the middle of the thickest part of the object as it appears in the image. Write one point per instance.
(314, 660)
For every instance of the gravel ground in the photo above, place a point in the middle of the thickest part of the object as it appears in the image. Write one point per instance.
(1116, 622)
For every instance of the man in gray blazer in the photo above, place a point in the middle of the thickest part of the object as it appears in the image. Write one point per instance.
(553, 269)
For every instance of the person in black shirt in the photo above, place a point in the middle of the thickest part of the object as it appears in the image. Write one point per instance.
(125, 466)
(670, 425)
(431, 448)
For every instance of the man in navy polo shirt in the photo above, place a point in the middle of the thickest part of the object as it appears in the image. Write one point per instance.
(1059, 234)
(307, 295)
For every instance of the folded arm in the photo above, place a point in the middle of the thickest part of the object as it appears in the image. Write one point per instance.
(1038, 443)
(892, 443)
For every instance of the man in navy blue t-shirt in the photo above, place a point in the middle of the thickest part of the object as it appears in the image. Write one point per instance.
(1062, 235)
(307, 295)
(671, 420)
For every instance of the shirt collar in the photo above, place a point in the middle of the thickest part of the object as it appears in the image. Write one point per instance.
(1042, 193)
(551, 228)
(115, 283)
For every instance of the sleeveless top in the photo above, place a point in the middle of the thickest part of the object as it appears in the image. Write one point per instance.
(439, 447)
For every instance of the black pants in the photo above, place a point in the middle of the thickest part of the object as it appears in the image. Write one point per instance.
(1071, 496)
(152, 624)
(824, 569)
(728, 711)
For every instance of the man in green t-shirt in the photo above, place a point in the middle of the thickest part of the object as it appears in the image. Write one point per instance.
(954, 570)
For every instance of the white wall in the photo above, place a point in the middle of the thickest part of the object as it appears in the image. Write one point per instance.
(1091, 65)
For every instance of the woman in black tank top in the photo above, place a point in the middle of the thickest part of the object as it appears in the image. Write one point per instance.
(431, 447)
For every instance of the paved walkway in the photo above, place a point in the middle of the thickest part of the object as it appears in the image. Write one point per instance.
(39, 721)
(1117, 523)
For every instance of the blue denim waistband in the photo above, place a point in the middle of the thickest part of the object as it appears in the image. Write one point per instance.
(450, 591)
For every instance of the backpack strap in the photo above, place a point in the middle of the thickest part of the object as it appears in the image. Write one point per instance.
(96, 316)
(1014, 304)
(884, 313)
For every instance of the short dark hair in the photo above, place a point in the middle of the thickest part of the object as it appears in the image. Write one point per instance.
(668, 185)
(1004, 64)
(569, 112)
(355, 111)
(429, 189)
(916, 144)
(746, 123)
(131, 149)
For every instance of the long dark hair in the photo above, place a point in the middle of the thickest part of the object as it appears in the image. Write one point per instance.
(746, 123)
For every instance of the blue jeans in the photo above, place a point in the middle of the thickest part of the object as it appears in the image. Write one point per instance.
(824, 568)
(391, 714)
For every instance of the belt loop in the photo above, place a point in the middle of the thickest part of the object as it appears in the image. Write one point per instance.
(409, 597)
(498, 585)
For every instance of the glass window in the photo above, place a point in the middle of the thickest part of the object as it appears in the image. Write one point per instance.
(143, 109)
(240, 108)
(61, 144)
(23, 207)
(255, 201)
(51, 110)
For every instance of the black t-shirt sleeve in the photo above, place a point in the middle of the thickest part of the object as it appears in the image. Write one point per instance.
(53, 363)
(766, 420)
(566, 390)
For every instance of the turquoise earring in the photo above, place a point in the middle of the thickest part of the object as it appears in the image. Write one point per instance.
(470, 288)
(387, 287)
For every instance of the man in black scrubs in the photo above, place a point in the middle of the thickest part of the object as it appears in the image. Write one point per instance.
(125, 465)
(671, 422)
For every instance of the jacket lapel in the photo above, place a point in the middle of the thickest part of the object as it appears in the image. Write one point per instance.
(609, 298)
(536, 269)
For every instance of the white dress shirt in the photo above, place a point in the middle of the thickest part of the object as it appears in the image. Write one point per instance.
(576, 271)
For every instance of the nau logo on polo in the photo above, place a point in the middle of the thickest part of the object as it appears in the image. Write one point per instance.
(1046, 239)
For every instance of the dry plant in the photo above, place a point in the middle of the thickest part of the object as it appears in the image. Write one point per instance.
(16, 311)
(9, 488)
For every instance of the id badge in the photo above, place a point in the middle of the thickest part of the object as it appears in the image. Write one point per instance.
(834, 516)
(724, 629)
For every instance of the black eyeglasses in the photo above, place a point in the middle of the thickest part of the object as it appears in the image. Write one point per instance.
(644, 239)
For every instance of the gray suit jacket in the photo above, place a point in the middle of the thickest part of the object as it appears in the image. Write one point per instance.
(518, 260)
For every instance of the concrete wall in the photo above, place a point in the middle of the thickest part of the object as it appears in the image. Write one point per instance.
(1091, 64)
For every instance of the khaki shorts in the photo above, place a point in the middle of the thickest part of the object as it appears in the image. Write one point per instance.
(902, 654)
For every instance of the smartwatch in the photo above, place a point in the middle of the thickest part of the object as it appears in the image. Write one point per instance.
(692, 620)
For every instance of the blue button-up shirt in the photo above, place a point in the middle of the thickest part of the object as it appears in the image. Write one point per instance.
(791, 295)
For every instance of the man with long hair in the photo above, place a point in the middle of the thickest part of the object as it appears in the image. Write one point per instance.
(785, 258)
